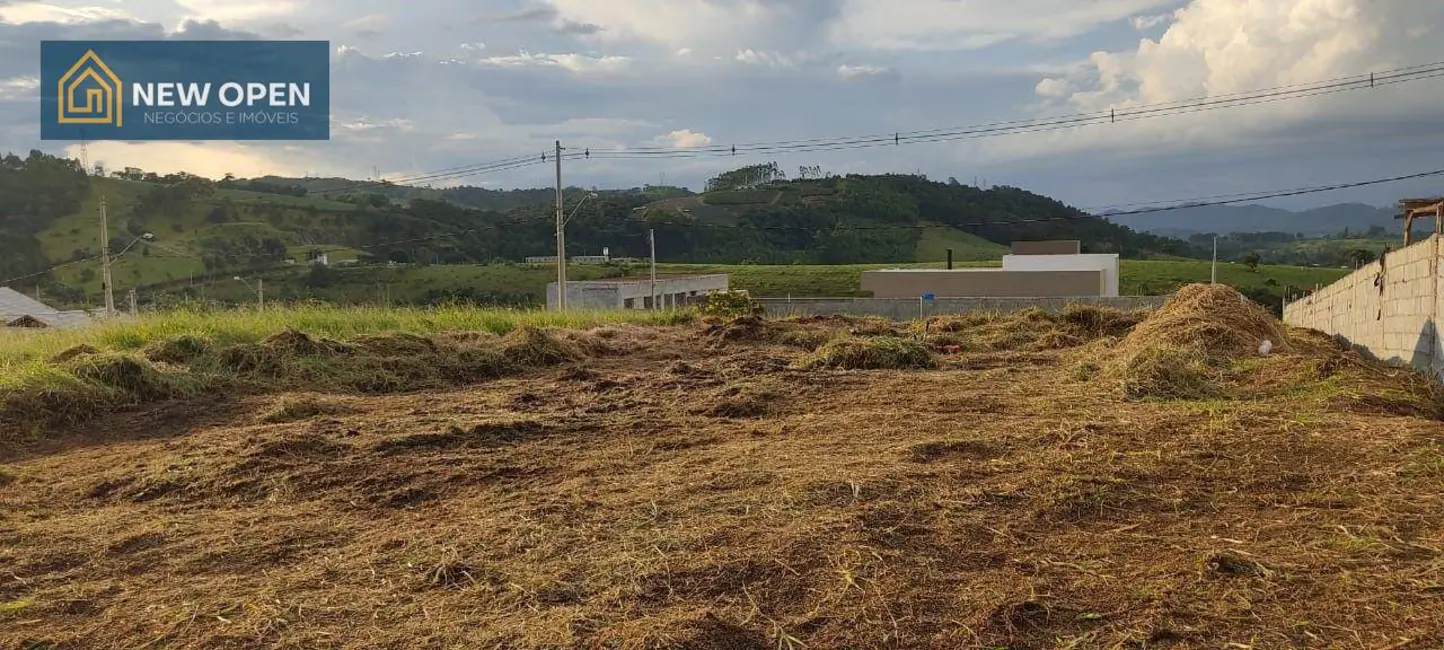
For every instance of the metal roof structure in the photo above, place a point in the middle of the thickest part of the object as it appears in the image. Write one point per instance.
(14, 303)
(20, 310)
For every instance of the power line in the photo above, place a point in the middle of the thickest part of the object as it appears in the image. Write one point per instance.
(994, 129)
(506, 164)
(1282, 93)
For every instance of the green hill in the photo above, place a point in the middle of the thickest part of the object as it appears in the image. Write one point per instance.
(180, 229)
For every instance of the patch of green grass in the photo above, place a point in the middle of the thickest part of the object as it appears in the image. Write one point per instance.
(367, 350)
(1153, 277)
(15, 606)
(24, 355)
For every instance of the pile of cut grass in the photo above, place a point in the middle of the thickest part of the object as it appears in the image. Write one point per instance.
(804, 333)
(1030, 330)
(848, 352)
(304, 407)
(62, 378)
(1187, 348)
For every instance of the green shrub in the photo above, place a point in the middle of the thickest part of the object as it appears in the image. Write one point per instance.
(728, 304)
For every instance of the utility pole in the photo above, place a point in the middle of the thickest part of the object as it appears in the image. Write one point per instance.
(105, 261)
(652, 242)
(1213, 274)
(133, 310)
(561, 238)
(261, 292)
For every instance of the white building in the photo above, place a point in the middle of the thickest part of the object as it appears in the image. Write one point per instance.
(1108, 264)
(605, 257)
(638, 292)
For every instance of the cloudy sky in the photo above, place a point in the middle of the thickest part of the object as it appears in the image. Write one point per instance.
(422, 85)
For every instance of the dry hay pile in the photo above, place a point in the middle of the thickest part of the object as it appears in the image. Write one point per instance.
(805, 333)
(877, 353)
(1030, 330)
(1185, 349)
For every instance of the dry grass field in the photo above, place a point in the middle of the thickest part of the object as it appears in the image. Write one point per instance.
(1084, 480)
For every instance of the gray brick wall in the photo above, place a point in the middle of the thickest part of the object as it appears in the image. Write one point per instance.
(1397, 324)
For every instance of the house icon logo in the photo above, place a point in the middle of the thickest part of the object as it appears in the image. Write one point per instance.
(90, 93)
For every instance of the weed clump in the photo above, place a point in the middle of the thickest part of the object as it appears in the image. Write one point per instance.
(750, 328)
(295, 343)
(72, 353)
(295, 409)
(879, 353)
(1088, 321)
(1169, 373)
(132, 379)
(179, 350)
(397, 344)
(532, 347)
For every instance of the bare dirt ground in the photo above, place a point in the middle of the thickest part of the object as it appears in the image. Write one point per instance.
(695, 494)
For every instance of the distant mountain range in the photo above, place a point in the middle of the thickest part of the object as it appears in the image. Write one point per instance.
(1223, 219)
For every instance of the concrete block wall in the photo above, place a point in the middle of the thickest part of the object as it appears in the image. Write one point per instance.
(1397, 323)
(902, 309)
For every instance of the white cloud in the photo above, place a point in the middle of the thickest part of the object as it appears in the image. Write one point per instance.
(1053, 88)
(768, 59)
(18, 88)
(1142, 23)
(368, 23)
(1217, 47)
(973, 24)
(1220, 47)
(227, 11)
(210, 159)
(402, 55)
(683, 139)
(712, 25)
(727, 25)
(40, 12)
(855, 72)
(684, 51)
(363, 124)
(472, 47)
(575, 63)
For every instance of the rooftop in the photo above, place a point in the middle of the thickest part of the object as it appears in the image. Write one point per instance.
(644, 278)
(14, 303)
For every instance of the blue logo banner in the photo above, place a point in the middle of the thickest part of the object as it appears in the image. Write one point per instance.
(185, 90)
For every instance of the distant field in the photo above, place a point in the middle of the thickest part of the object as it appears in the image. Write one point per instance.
(1146, 277)
(526, 285)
